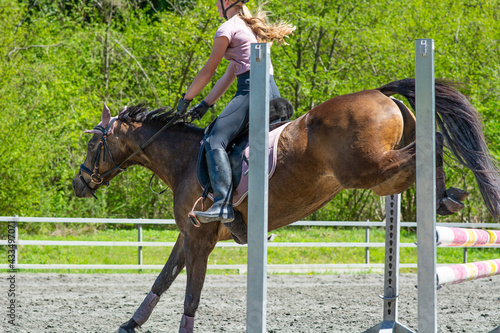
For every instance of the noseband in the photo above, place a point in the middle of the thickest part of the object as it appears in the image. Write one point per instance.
(97, 178)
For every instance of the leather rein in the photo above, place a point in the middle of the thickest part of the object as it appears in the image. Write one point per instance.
(97, 178)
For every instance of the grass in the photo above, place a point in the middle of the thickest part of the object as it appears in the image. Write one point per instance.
(36, 254)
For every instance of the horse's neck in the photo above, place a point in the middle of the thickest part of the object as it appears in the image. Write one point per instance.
(171, 155)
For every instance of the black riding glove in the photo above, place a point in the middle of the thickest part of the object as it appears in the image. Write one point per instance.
(199, 110)
(182, 106)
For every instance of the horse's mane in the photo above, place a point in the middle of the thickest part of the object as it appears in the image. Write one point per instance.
(141, 114)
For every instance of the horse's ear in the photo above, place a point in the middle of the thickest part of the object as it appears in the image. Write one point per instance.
(105, 119)
(106, 116)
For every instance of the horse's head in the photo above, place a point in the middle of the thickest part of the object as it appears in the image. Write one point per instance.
(119, 142)
(103, 152)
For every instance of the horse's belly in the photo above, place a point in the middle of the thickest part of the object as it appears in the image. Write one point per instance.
(296, 199)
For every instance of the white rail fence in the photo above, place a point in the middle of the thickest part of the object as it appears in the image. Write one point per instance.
(14, 240)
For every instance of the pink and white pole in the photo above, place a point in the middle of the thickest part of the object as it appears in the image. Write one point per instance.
(446, 236)
(458, 273)
(466, 272)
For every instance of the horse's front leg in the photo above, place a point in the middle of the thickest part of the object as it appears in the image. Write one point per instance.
(172, 268)
(198, 245)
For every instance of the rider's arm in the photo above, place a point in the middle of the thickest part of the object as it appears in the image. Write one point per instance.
(205, 74)
(221, 86)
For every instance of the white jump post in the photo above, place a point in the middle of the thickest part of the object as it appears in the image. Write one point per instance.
(426, 185)
(390, 322)
(258, 189)
(428, 235)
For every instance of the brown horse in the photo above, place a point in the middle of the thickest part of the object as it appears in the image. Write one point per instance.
(363, 140)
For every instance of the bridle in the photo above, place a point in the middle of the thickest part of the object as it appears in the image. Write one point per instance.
(102, 148)
(97, 178)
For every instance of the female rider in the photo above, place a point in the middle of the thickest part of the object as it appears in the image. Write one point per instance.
(232, 41)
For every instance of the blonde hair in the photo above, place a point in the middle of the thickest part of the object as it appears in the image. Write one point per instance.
(263, 30)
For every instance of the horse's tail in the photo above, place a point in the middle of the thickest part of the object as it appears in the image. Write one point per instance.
(461, 125)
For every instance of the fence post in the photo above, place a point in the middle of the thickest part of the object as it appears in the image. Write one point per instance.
(367, 240)
(465, 251)
(139, 239)
(15, 223)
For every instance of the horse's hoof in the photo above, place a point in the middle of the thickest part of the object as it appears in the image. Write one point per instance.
(448, 206)
(457, 194)
(123, 330)
(128, 327)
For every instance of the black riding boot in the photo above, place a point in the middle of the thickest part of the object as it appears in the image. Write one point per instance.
(219, 170)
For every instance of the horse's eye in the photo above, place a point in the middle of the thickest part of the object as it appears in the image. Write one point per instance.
(90, 146)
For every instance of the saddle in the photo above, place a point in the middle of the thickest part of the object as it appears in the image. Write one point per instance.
(280, 110)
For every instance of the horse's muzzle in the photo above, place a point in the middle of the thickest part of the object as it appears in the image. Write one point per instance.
(81, 191)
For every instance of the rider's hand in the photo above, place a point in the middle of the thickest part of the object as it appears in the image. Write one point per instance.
(199, 110)
(182, 106)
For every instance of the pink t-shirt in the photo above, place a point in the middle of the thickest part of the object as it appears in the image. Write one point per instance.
(240, 37)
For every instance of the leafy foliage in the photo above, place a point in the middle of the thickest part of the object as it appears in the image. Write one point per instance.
(60, 60)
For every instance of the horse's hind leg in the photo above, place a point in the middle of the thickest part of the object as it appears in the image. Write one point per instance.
(398, 173)
(402, 171)
(172, 268)
(449, 201)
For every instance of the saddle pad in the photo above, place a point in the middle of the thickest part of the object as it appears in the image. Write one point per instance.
(241, 192)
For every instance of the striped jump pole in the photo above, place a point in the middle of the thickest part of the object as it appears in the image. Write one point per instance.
(454, 274)
(458, 273)
(446, 236)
